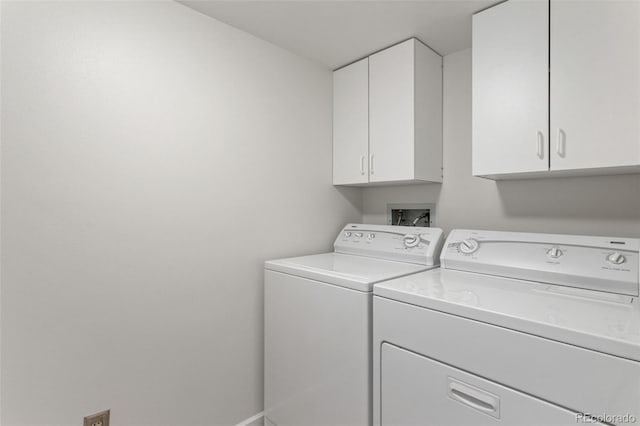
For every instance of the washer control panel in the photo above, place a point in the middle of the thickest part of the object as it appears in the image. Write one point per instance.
(402, 243)
(596, 263)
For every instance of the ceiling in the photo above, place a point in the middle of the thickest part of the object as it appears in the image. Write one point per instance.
(336, 32)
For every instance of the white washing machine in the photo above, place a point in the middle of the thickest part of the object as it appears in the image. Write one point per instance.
(513, 328)
(318, 358)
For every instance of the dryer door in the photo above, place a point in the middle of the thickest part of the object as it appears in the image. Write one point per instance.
(417, 390)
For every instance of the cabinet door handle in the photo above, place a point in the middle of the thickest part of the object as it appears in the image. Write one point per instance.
(473, 397)
(362, 165)
(370, 163)
(540, 145)
(560, 143)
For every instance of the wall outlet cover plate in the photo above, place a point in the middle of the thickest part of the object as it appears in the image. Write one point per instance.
(98, 419)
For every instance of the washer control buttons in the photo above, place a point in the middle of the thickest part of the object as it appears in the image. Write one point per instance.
(554, 252)
(468, 246)
(358, 234)
(371, 236)
(347, 234)
(411, 240)
(616, 258)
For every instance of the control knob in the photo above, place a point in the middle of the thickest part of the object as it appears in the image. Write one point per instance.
(411, 240)
(554, 252)
(616, 258)
(468, 246)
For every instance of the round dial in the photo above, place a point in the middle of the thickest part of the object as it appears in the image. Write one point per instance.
(411, 240)
(347, 234)
(554, 252)
(358, 234)
(371, 236)
(468, 246)
(616, 258)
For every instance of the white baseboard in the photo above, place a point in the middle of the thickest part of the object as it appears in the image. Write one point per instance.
(255, 420)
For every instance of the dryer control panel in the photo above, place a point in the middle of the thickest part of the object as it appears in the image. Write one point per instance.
(596, 263)
(412, 244)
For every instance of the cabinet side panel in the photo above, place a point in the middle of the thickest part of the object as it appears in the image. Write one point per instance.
(391, 113)
(511, 88)
(351, 123)
(595, 84)
(428, 114)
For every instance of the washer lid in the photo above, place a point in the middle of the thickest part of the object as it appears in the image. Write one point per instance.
(355, 272)
(605, 322)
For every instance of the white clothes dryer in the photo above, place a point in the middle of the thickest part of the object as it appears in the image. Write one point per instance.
(513, 328)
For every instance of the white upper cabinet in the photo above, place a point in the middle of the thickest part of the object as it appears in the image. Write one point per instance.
(399, 139)
(511, 88)
(391, 142)
(351, 124)
(558, 99)
(405, 114)
(595, 84)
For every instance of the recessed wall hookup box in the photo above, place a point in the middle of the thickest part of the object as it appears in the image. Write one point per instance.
(411, 214)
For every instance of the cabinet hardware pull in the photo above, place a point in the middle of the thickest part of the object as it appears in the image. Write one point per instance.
(560, 143)
(474, 397)
(472, 401)
(371, 163)
(362, 165)
(540, 146)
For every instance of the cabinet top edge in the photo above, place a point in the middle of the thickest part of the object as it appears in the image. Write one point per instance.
(489, 7)
(388, 47)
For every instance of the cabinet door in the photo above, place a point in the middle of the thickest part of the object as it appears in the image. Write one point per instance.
(351, 123)
(391, 113)
(595, 84)
(511, 88)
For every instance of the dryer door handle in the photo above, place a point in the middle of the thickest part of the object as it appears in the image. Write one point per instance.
(473, 397)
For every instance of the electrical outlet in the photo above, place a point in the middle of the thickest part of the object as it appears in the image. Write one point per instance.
(97, 419)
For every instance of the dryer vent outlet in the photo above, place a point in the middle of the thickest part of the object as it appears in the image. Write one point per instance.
(97, 419)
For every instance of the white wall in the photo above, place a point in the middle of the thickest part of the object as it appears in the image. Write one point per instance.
(605, 205)
(152, 159)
